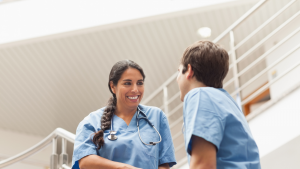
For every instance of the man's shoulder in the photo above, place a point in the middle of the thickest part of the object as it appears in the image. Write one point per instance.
(207, 95)
(213, 100)
(206, 91)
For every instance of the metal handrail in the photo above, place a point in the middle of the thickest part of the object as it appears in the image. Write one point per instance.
(166, 83)
(268, 52)
(177, 121)
(265, 70)
(264, 39)
(234, 25)
(176, 136)
(240, 20)
(264, 24)
(268, 37)
(179, 147)
(39, 146)
(261, 42)
(265, 87)
(174, 110)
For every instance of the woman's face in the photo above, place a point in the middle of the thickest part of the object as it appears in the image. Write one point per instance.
(130, 89)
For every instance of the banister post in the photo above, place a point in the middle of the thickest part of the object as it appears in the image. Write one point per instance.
(235, 69)
(54, 156)
(63, 157)
(165, 99)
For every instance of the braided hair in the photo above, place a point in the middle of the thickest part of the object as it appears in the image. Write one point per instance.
(115, 74)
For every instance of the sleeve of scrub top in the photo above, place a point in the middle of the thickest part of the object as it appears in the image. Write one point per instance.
(83, 145)
(166, 147)
(201, 121)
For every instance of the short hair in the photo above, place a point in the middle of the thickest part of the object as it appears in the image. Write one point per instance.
(209, 61)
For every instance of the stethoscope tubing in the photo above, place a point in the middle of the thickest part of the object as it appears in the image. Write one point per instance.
(112, 136)
(150, 143)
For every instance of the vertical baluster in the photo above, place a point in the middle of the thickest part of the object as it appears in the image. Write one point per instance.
(235, 69)
(63, 157)
(54, 156)
(166, 107)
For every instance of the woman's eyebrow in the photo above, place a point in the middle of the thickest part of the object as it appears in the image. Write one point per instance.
(129, 80)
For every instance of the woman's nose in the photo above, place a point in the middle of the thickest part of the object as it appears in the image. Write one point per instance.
(134, 88)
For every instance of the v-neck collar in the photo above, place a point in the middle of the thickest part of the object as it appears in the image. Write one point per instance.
(120, 125)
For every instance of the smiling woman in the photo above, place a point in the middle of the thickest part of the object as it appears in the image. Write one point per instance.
(116, 136)
(130, 90)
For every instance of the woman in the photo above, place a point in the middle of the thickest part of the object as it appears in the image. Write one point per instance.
(130, 141)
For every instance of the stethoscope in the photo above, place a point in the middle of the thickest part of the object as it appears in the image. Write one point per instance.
(112, 134)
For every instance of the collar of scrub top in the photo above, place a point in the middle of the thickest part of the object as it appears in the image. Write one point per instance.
(145, 118)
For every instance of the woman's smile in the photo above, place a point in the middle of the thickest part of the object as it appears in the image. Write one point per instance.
(133, 98)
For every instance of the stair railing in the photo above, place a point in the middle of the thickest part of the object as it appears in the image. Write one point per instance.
(236, 74)
(164, 87)
(55, 161)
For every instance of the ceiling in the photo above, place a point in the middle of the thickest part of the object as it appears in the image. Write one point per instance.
(55, 81)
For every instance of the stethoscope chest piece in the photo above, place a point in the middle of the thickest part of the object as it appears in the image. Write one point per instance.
(112, 135)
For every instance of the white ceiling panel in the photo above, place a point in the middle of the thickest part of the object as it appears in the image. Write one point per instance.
(55, 81)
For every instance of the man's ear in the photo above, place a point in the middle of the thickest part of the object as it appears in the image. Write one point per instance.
(189, 73)
(111, 84)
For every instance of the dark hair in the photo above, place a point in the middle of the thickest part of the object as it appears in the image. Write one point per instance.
(114, 76)
(209, 61)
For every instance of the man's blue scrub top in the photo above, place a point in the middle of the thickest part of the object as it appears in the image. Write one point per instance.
(212, 114)
(128, 148)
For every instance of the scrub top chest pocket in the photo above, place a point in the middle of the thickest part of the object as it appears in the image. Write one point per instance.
(148, 134)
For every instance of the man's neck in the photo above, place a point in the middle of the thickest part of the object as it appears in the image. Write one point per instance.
(196, 84)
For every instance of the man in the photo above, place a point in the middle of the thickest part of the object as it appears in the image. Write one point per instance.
(216, 132)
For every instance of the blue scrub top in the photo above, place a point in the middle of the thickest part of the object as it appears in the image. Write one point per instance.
(128, 148)
(212, 114)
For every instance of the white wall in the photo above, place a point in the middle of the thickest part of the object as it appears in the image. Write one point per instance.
(12, 143)
(277, 126)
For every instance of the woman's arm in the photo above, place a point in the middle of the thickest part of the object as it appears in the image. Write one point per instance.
(96, 162)
(164, 166)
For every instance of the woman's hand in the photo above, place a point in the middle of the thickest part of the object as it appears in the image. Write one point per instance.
(96, 162)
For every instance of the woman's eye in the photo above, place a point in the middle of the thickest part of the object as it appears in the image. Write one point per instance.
(140, 83)
(127, 83)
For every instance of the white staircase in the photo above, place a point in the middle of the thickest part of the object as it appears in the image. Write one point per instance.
(264, 69)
